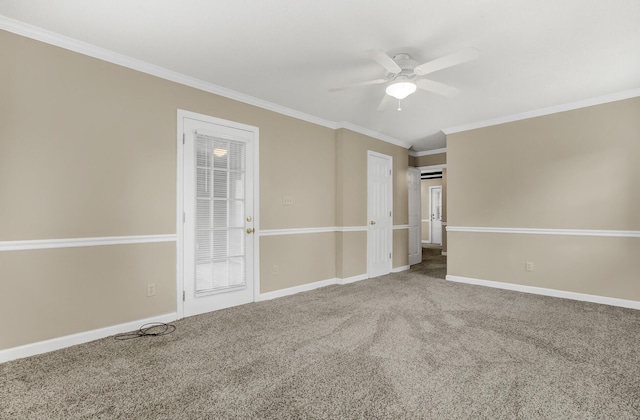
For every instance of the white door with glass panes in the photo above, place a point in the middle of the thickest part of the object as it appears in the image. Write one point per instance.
(218, 244)
(436, 214)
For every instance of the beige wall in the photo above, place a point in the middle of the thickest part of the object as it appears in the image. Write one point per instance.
(55, 292)
(592, 265)
(88, 149)
(400, 248)
(351, 201)
(437, 159)
(352, 150)
(300, 259)
(578, 169)
(351, 258)
(300, 162)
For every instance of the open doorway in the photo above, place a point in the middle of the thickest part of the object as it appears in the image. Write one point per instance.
(433, 222)
(431, 185)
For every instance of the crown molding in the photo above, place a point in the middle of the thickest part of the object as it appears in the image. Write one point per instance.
(71, 44)
(52, 38)
(618, 96)
(428, 152)
(374, 134)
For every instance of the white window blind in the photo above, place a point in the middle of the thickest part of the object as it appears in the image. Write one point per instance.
(220, 210)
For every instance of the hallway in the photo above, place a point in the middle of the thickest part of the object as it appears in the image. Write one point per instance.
(433, 264)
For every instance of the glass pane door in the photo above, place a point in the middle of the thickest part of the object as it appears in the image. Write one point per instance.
(220, 209)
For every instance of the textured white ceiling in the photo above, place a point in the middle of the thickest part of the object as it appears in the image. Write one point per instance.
(533, 54)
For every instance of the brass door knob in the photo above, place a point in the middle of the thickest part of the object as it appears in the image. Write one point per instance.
(250, 230)
(373, 222)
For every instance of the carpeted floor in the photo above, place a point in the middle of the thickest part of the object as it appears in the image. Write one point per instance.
(403, 346)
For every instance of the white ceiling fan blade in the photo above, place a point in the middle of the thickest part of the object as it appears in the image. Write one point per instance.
(447, 61)
(366, 83)
(437, 87)
(385, 61)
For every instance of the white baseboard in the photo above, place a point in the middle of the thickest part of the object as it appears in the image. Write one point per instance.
(79, 338)
(296, 289)
(84, 337)
(352, 279)
(401, 268)
(311, 286)
(632, 304)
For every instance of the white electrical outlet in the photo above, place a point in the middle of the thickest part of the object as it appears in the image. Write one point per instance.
(151, 289)
(528, 266)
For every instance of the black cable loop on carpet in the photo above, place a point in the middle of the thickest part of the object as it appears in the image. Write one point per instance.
(151, 329)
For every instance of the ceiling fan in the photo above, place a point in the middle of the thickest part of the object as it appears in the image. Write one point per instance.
(404, 75)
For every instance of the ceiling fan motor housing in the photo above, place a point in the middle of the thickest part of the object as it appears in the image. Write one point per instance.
(407, 64)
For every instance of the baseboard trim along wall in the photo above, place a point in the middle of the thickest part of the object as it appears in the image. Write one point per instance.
(352, 279)
(400, 268)
(79, 338)
(295, 289)
(82, 242)
(322, 283)
(84, 337)
(632, 304)
(536, 231)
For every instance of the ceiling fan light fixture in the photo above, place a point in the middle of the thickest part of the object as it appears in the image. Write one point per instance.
(401, 90)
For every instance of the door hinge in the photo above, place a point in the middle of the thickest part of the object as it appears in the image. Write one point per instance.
(184, 295)
(389, 255)
(184, 217)
(389, 171)
(389, 214)
(183, 137)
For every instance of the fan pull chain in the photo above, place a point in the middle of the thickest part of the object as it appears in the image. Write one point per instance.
(399, 104)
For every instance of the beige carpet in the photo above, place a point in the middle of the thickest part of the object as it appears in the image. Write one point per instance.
(403, 346)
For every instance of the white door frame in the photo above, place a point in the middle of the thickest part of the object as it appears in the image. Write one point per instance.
(182, 114)
(424, 169)
(430, 214)
(389, 236)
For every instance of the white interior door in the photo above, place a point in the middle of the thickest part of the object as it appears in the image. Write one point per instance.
(415, 219)
(435, 202)
(380, 220)
(218, 244)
